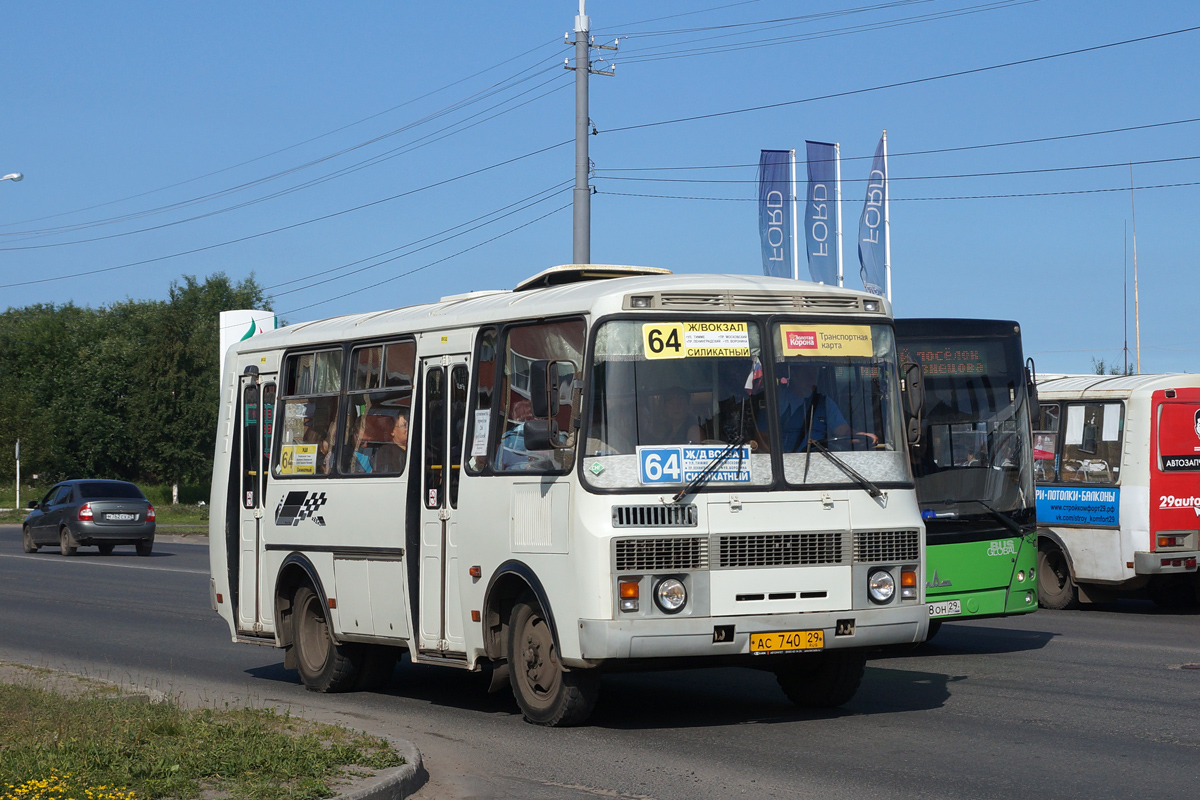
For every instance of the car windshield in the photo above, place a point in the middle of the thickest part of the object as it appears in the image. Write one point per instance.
(669, 397)
(110, 491)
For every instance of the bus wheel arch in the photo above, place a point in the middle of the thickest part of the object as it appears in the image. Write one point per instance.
(295, 572)
(508, 584)
(1055, 574)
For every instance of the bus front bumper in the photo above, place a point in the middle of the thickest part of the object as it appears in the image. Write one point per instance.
(1165, 562)
(670, 637)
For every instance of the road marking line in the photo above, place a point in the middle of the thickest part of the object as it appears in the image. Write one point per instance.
(44, 560)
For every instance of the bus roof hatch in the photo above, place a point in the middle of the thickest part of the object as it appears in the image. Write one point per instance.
(576, 273)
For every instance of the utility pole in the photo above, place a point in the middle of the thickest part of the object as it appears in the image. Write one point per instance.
(1137, 320)
(582, 206)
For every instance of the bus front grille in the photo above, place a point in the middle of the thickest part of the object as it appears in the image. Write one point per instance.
(779, 549)
(654, 516)
(880, 546)
(662, 553)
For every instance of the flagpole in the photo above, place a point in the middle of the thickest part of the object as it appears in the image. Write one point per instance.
(837, 181)
(795, 227)
(1137, 324)
(887, 227)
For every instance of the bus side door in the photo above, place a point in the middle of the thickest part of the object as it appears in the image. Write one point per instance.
(256, 416)
(443, 421)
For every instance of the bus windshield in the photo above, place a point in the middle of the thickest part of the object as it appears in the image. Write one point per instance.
(668, 397)
(973, 457)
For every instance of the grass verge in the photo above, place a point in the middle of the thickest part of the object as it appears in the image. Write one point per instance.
(92, 743)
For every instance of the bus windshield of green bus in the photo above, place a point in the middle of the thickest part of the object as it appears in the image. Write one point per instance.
(676, 398)
(975, 427)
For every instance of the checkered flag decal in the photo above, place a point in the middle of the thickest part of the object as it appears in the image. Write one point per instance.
(297, 506)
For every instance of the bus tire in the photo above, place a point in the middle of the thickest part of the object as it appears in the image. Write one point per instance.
(324, 665)
(27, 540)
(546, 693)
(822, 680)
(65, 542)
(1056, 588)
(935, 625)
(378, 664)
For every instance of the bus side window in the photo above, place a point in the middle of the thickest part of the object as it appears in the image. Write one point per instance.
(485, 384)
(1092, 443)
(554, 341)
(1045, 444)
(307, 420)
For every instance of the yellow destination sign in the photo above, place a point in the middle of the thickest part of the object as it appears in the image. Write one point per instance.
(695, 340)
(298, 459)
(826, 340)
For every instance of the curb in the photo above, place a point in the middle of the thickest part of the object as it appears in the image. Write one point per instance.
(394, 784)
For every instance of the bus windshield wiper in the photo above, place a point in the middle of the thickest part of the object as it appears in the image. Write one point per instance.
(870, 488)
(710, 469)
(999, 516)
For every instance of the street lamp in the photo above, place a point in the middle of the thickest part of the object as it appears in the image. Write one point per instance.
(12, 176)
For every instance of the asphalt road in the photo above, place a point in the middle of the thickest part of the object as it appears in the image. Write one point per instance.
(1090, 704)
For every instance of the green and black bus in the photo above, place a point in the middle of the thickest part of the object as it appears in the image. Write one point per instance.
(973, 466)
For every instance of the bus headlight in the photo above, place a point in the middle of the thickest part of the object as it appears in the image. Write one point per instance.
(881, 586)
(670, 595)
(1020, 576)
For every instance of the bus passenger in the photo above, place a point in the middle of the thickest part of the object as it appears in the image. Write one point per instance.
(678, 424)
(390, 457)
(326, 448)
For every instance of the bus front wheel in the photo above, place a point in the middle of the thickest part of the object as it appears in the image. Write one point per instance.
(1056, 588)
(324, 665)
(822, 680)
(546, 693)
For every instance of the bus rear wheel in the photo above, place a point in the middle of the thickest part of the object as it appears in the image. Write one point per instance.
(546, 693)
(822, 680)
(1056, 588)
(324, 665)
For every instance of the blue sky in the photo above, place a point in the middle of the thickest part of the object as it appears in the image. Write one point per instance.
(166, 132)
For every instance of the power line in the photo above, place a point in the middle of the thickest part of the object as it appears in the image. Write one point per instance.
(287, 227)
(309, 140)
(1038, 140)
(898, 84)
(895, 178)
(916, 199)
(430, 264)
(315, 181)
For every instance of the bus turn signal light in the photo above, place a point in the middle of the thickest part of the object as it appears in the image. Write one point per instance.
(629, 595)
(1168, 541)
(908, 585)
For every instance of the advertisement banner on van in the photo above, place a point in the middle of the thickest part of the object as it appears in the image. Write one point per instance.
(1179, 437)
(826, 340)
(1062, 505)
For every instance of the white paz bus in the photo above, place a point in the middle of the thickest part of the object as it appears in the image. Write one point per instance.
(604, 468)
(1117, 466)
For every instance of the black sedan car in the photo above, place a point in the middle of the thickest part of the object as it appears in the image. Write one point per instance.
(79, 513)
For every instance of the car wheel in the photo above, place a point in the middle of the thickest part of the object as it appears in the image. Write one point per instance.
(106, 549)
(144, 548)
(27, 540)
(66, 542)
(324, 665)
(1056, 588)
(546, 693)
(822, 680)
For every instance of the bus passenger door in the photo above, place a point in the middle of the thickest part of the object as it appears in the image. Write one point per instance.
(443, 418)
(256, 411)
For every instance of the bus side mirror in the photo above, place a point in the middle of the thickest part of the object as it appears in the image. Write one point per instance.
(540, 434)
(1035, 408)
(546, 385)
(913, 389)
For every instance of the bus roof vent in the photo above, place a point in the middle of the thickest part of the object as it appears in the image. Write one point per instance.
(692, 300)
(829, 301)
(764, 301)
(576, 273)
